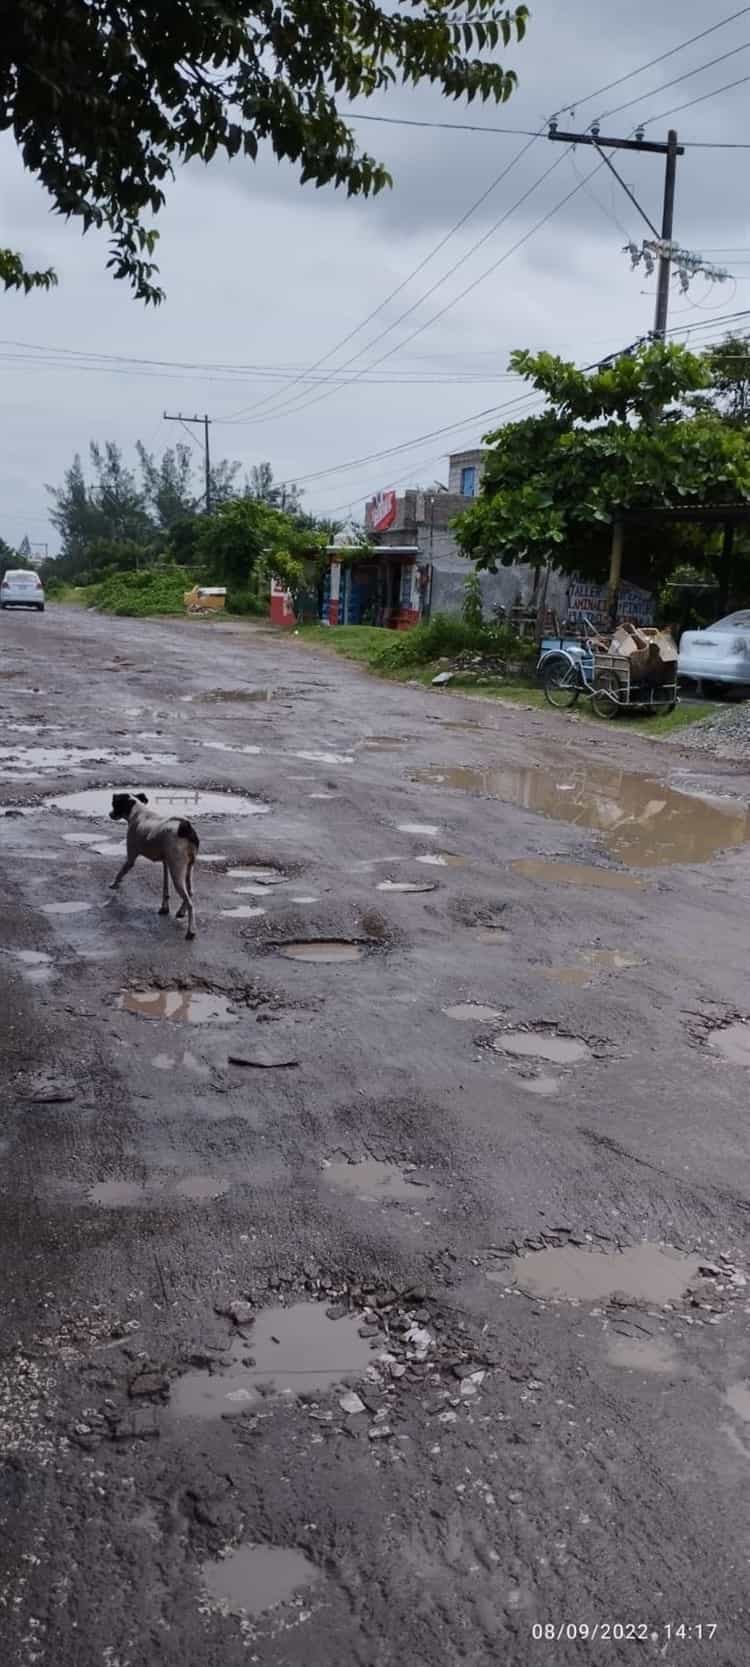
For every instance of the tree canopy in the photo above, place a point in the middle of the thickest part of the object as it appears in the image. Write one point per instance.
(106, 97)
(619, 437)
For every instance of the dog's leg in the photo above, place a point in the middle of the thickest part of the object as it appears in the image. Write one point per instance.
(126, 867)
(164, 910)
(180, 881)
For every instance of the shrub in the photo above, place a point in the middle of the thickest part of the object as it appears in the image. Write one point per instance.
(445, 636)
(152, 591)
(246, 602)
(472, 611)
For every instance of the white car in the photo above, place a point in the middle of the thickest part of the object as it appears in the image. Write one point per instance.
(720, 654)
(21, 589)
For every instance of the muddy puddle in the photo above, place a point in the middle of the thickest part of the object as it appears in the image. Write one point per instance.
(471, 1012)
(304, 899)
(383, 743)
(66, 908)
(404, 885)
(116, 1194)
(428, 830)
(441, 859)
(738, 1398)
(166, 801)
(31, 761)
(194, 1007)
(644, 1273)
(263, 875)
(643, 1354)
(188, 1061)
(545, 1087)
(611, 960)
(574, 874)
(542, 1044)
(295, 1350)
(325, 757)
(374, 1181)
(201, 1188)
(644, 823)
(576, 976)
(733, 1042)
(262, 695)
(255, 1578)
(322, 950)
(37, 967)
(224, 746)
(243, 911)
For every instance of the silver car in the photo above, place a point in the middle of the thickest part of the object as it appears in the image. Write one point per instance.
(21, 589)
(720, 654)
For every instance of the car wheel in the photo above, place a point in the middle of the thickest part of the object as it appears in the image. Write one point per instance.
(40, 607)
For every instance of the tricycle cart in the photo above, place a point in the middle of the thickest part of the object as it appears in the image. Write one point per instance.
(638, 680)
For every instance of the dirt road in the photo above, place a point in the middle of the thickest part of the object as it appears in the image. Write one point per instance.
(373, 1278)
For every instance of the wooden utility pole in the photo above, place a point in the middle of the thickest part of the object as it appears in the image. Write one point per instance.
(670, 150)
(204, 422)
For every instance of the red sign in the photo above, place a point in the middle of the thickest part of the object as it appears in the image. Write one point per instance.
(381, 511)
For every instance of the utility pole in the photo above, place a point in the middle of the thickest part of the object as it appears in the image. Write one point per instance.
(205, 423)
(670, 150)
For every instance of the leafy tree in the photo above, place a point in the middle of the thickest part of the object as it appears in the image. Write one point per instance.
(24, 551)
(729, 366)
(261, 486)
(106, 99)
(238, 544)
(8, 558)
(613, 439)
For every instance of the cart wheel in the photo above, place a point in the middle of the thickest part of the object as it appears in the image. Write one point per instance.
(606, 699)
(661, 708)
(561, 682)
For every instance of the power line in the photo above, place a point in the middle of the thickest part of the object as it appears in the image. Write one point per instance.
(662, 58)
(687, 76)
(484, 127)
(676, 108)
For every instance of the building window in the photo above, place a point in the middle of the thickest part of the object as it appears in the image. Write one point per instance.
(469, 482)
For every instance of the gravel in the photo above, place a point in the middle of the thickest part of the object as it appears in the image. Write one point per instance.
(724, 734)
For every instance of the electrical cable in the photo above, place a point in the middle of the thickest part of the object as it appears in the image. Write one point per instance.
(662, 58)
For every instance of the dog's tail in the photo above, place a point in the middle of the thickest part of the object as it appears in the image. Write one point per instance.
(187, 831)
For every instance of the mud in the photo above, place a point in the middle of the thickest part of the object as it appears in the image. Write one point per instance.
(255, 1578)
(322, 950)
(574, 874)
(194, 1007)
(531, 1044)
(643, 1354)
(374, 1181)
(295, 1350)
(166, 801)
(645, 1273)
(644, 823)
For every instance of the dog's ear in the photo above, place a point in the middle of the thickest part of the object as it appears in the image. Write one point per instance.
(143, 798)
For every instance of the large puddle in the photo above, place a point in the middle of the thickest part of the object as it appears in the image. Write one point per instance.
(22, 762)
(296, 1350)
(166, 801)
(644, 823)
(574, 874)
(194, 1007)
(255, 1578)
(530, 1044)
(644, 1273)
(323, 950)
(373, 1181)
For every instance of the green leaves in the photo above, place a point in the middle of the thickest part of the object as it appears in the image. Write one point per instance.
(106, 104)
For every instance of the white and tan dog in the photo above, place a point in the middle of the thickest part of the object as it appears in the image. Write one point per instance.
(172, 841)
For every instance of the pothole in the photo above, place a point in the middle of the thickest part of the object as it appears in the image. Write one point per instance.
(243, 911)
(66, 908)
(383, 743)
(255, 1578)
(643, 822)
(166, 801)
(428, 830)
(441, 859)
(542, 1044)
(542, 1085)
(373, 1181)
(295, 1350)
(643, 1354)
(32, 957)
(325, 757)
(185, 1006)
(201, 1187)
(643, 1273)
(29, 761)
(224, 746)
(322, 950)
(471, 1012)
(733, 1042)
(577, 976)
(738, 1398)
(611, 960)
(189, 1062)
(238, 694)
(405, 886)
(575, 874)
(116, 1194)
(262, 873)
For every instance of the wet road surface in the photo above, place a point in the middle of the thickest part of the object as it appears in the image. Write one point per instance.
(374, 1268)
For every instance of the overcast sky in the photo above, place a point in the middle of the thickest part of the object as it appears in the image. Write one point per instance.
(265, 274)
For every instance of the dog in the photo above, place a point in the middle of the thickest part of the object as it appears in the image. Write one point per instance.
(172, 841)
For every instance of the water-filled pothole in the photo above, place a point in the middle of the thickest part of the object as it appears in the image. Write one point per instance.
(733, 1042)
(644, 1273)
(261, 873)
(542, 1085)
(169, 1062)
(428, 830)
(30, 761)
(574, 874)
(185, 1006)
(116, 1194)
(404, 885)
(255, 1578)
(296, 1350)
(373, 1181)
(325, 757)
(243, 911)
(238, 694)
(66, 908)
(468, 1012)
(166, 801)
(643, 1354)
(542, 1044)
(201, 1187)
(441, 859)
(322, 950)
(643, 822)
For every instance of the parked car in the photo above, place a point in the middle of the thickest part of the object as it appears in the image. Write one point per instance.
(718, 655)
(21, 589)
